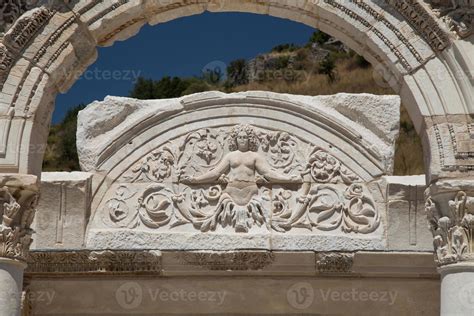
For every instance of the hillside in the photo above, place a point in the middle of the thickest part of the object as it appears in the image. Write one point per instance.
(323, 66)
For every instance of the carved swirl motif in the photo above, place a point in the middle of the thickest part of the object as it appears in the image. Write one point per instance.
(262, 180)
(453, 231)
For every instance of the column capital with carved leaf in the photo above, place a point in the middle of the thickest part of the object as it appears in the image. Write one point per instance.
(18, 200)
(450, 211)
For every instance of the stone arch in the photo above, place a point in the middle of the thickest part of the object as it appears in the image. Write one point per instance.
(425, 53)
(48, 47)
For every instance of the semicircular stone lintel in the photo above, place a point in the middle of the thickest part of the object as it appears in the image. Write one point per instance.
(246, 170)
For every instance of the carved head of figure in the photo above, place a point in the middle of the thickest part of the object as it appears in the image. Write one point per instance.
(243, 138)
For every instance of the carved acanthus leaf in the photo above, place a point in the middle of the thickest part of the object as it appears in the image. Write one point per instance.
(17, 210)
(452, 228)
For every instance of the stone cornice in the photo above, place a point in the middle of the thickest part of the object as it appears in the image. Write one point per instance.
(227, 263)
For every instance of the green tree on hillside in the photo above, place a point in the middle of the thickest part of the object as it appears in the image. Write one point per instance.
(237, 73)
(167, 87)
(61, 152)
(319, 38)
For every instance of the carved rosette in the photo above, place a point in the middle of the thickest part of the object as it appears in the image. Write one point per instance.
(451, 218)
(17, 210)
(242, 178)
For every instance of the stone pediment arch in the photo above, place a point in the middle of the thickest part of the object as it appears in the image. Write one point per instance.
(167, 171)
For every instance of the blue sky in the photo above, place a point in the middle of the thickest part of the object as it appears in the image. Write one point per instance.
(183, 48)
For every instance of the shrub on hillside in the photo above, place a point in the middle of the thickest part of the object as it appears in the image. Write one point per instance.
(237, 72)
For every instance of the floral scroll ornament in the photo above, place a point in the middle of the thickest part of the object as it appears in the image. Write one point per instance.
(156, 167)
(156, 206)
(266, 180)
(325, 168)
(118, 209)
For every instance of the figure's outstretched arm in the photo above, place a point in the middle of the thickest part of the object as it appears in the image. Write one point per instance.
(214, 174)
(272, 175)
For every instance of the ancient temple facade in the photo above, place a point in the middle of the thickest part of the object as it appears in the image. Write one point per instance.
(254, 203)
(218, 193)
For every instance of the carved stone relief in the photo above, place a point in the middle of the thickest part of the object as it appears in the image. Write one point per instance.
(334, 262)
(231, 260)
(15, 232)
(11, 10)
(454, 146)
(94, 262)
(17, 211)
(458, 15)
(242, 178)
(452, 224)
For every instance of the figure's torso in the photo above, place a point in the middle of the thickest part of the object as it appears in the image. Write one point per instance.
(242, 166)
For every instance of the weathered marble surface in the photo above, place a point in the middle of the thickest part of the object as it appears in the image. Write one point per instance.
(407, 225)
(263, 281)
(64, 210)
(11, 282)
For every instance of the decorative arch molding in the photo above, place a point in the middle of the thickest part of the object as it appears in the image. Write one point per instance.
(307, 172)
(48, 47)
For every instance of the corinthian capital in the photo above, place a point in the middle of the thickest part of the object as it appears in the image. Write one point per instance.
(450, 211)
(18, 199)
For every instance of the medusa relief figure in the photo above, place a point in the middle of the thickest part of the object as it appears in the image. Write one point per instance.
(241, 170)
